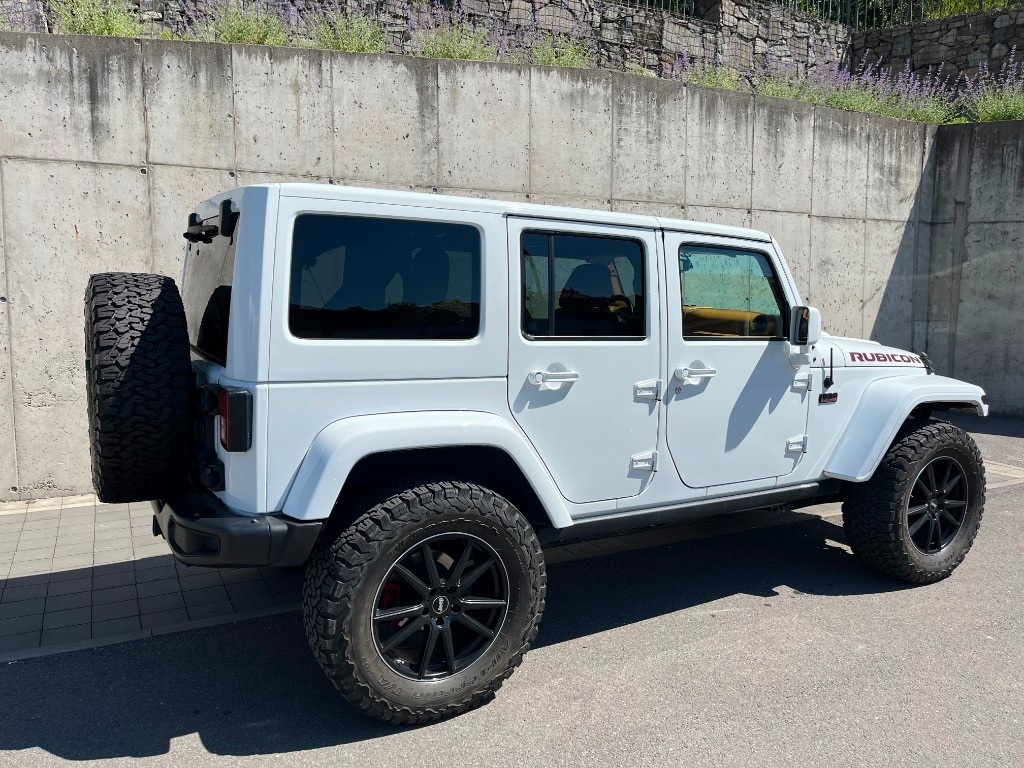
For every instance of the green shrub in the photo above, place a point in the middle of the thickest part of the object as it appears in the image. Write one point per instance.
(560, 51)
(784, 87)
(455, 40)
(352, 33)
(636, 69)
(95, 17)
(946, 8)
(181, 37)
(713, 76)
(246, 25)
(1000, 104)
(994, 94)
(904, 95)
(866, 99)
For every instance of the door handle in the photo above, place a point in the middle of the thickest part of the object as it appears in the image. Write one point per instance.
(552, 377)
(691, 375)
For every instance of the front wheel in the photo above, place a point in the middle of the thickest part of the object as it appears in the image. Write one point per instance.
(423, 606)
(918, 515)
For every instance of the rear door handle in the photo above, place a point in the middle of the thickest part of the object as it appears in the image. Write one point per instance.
(552, 377)
(691, 375)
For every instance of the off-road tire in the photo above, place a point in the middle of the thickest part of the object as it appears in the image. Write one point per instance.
(139, 384)
(874, 512)
(348, 566)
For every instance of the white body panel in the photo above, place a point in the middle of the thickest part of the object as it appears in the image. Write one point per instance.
(340, 445)
(586, 430)
(731, 426)
(248, 359)
(322, 405)
(881, 410)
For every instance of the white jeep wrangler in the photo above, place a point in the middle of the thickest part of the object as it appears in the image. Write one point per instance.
(412, 394)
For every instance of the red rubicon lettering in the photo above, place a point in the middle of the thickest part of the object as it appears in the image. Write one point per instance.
(883, 357)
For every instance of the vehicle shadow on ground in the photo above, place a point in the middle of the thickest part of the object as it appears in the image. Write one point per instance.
(252, 688)
(601, 593)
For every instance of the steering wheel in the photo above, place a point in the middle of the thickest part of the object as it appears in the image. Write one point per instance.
(620, 305)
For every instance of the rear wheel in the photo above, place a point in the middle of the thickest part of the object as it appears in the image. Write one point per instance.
(139, 383)
(917, 517)
(423, 606)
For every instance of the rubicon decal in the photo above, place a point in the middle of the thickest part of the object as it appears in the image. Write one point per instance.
(883, 357)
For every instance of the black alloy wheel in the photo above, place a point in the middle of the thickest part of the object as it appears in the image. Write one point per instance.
(440, 606)
(423, 606)
(917, 516)
(937, 505)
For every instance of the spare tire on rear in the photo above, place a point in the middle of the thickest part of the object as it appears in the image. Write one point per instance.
(139, 386)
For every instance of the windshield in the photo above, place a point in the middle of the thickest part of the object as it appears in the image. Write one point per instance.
(207, 295)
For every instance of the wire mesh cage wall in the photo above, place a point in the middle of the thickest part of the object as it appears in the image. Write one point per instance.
(644, 24)
(871, 14)
(23, 16)
(677, 7)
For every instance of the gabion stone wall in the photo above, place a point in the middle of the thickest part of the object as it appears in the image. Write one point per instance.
(755, 31)
(625, 36)
(742, 33)
(954, 46)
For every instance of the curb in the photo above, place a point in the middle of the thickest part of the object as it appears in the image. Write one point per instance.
(84, 645)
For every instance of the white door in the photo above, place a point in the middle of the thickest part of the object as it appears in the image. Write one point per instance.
(584, 352)
(737, 398)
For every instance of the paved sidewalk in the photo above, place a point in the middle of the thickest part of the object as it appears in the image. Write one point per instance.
(73, 570)
(77, 573)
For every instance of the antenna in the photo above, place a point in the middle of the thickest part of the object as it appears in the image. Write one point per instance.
(829, 380)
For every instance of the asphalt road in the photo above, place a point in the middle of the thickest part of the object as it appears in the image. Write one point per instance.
(761, 648)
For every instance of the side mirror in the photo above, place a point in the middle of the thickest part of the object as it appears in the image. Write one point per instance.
(804, 326)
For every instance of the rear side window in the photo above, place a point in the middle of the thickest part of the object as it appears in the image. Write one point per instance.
(207, 294)
(582, 286)
(361, 277)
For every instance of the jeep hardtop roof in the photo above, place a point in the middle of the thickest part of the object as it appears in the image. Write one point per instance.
(505, 208)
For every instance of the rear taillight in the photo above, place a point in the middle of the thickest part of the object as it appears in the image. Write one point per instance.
(234, 407)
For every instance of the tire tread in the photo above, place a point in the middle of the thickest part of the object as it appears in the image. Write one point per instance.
(872, 511)
(139, 383)
(334, 571)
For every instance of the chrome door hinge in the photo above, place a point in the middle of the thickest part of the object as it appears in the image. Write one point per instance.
(644, 462)
(803, 381)
(647, 390)
(795, 444)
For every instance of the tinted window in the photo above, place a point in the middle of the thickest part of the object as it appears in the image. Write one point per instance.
(207, 294)
(582, 286)
(729, 293)
(356, 277)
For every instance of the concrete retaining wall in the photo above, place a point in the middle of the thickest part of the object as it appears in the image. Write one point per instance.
(976, 296)
(108, 144)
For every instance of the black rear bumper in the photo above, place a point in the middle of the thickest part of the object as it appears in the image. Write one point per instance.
(202, 530)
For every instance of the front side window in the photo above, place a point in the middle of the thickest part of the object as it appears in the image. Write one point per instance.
(729, 293)
(582, 286)
(362, 277)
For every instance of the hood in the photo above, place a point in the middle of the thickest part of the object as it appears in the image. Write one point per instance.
(861, 353)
